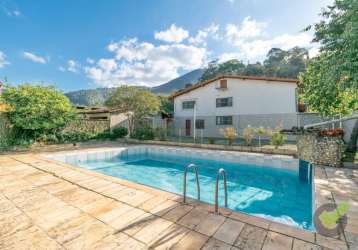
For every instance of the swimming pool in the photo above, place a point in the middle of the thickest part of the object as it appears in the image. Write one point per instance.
(272, 187)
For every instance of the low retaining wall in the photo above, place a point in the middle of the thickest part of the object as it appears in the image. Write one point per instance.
(264, 150)
(319, 150)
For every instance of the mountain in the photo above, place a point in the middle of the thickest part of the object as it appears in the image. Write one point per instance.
(90, 97)
(97, 97)
(178, 83)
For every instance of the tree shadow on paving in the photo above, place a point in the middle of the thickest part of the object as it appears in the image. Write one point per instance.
(163, 237)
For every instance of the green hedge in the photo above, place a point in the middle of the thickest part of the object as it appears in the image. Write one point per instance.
(6, 131)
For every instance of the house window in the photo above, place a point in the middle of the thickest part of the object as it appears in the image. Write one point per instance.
(224, 120)
(223, 84)
(188, 104)
(200, 124)
(224, 102)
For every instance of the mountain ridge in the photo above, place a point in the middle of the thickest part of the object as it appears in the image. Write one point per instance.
(97, 97)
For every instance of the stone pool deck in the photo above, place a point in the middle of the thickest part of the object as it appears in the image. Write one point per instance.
(46, 204)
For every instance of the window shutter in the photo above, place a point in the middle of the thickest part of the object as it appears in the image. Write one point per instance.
(223, 84)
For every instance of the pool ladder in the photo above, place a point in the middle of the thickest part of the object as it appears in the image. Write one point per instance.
(193, 166)
(223, 174)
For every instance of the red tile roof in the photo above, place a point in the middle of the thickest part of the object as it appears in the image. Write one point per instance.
(263, 78)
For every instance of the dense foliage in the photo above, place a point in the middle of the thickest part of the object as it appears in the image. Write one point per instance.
(119, 132)
(140, 102)
(144, 132)
(330, 85)
(278, 63)
(37, 110)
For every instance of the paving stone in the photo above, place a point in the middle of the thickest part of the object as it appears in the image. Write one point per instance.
(210, 224)
(152, 203)
(330, 242)
(216, 244)
(125, 220)
(131, 244)
(135, 198)
(252, 220)
(191, 241)
(303, 245)
(61, 186)
(164, 207)
(138, 223)
(292, 231)
(229, 231)
(49, 217)
(111, 212)
(31, 238)
(169, 237)
(80, 233)
(12, 224)
(276, 241)
(149, 232)
(193, 218)
(177, 213)
(251, 238)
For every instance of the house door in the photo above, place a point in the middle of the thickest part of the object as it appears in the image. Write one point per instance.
(187, 127)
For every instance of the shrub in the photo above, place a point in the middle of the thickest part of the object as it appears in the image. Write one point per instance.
(260, 131)
(119, 132)
(248, 135)
(277, 138)
(144, 132)
(211, 140)
(161, 134)
(37, 110)
(75, 136)
(230, 134)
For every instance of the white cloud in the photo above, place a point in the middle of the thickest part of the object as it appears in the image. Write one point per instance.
(35, 58)
(3, 61)
(62, 69)
(249, 28)
(252, 43)
(142, 63)
(90, 60)
(72, 66)
(202, 35)
(173, 34)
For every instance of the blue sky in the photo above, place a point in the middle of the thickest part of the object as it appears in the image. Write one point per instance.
(77, 44)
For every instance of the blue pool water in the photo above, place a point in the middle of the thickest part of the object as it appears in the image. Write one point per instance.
(275, 194)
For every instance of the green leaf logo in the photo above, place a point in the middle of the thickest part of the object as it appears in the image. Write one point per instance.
(330, 219)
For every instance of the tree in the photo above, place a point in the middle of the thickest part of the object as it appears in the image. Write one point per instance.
(278, 63)
(166, 105)
(330, 84)
(138, 101)
(37, 110)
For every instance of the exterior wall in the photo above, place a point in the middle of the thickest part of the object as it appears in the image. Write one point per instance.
(239, 122)
(118, 120)
(255, 103)
(249, 97)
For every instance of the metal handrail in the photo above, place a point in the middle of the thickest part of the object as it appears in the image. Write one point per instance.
(221, 172)
(196, 177)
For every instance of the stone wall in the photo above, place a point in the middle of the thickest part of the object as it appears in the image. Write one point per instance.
(320, 150)
(85, 125)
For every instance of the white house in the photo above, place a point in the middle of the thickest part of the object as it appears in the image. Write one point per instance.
(235, 101)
